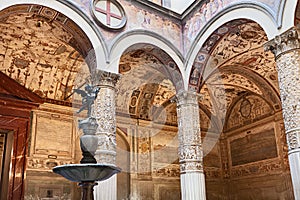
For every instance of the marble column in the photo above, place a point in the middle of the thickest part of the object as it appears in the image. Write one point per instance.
(190, 148)
(286, 48)
(105, 112)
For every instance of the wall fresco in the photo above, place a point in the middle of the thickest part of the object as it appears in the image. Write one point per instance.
(211, 8)
(139, 18)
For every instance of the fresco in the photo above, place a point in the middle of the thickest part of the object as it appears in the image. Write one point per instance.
(208, 10)
(139, 18)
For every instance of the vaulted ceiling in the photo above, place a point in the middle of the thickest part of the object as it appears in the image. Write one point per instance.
(45, 52)
(42, 49)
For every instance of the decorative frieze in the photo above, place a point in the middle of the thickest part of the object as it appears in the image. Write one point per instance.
(171, 171)
(265, 167)
(45, 164)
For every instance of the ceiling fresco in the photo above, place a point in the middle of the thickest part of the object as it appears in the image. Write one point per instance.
(45, 52)
(42, 50)
(147, 84)
(232, 64)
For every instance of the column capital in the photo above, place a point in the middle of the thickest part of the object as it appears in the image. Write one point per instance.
(187, 97)
(285, 42)
(100, 77)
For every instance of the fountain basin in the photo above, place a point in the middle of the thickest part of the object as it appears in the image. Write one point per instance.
(86, 172)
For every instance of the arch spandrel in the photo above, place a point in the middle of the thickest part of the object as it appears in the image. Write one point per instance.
(128, 39)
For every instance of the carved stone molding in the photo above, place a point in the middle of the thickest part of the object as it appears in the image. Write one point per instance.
(293, 139)
(188, 166)
(285, 42)
(190, 148)
(103, 78)
(190, 152)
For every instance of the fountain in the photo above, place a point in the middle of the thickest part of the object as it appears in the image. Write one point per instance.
(88, 171)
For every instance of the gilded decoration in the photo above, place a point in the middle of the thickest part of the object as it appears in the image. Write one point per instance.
(286, 49)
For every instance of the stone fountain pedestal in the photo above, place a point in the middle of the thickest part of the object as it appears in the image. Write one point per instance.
(88, 171)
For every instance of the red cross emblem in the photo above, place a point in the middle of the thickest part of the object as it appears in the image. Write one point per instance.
(108, 13)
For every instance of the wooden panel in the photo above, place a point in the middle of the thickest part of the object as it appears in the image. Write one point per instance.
(253, 147)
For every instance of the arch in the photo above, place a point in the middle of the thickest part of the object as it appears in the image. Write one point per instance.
(255, 12)
(123, 161)
(123, 136)
(73, 12)
(127, 39)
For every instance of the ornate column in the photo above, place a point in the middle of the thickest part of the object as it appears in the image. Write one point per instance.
(190, 147)
(286, 48)
(105, 113)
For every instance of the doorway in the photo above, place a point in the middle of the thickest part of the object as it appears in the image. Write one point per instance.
(6, 141)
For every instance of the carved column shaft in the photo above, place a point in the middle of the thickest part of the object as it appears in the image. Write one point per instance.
(190, 147)
(286, 48)
(105, 113)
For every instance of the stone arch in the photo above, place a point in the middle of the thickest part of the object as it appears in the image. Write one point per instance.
(51, 48)
(77, 15)
(128, 39)
(272, 23)
(123, 161)
(242, 79)
(154, 79)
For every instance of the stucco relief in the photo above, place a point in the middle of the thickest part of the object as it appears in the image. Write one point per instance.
(144, 153)
(190, 147)
(104, 111)
(293, 139)
(285, 47)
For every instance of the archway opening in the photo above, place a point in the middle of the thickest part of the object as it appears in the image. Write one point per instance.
(146, 110)
(238, 82)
